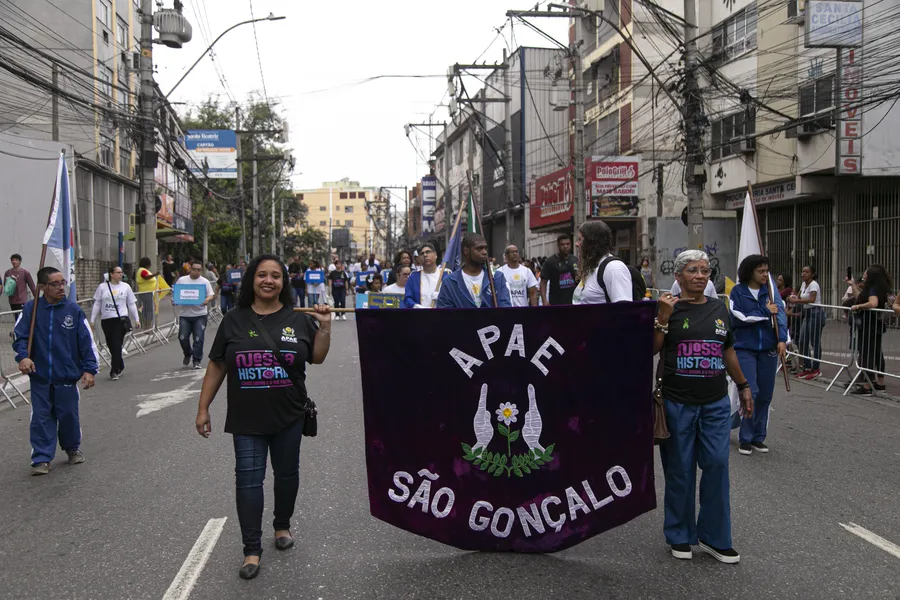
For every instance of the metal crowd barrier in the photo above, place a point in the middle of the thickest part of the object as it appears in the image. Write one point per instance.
(9, 368)
(876, 345)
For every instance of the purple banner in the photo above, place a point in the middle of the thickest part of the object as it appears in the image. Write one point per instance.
(519, 429)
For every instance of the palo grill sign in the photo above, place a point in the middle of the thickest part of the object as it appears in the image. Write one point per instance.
(515, 429)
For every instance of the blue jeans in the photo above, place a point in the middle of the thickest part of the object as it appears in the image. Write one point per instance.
(196, 326)
(699, 436)
(314, 299)
(759, 368)
(227, 302)
(811, 336)
(298, 295)
(250, 472)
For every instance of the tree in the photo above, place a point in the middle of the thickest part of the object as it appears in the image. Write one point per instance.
(218, 204)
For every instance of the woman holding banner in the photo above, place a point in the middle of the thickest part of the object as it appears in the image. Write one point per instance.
(757, 345)
(268, 406)
(694, 339)
(421, 287)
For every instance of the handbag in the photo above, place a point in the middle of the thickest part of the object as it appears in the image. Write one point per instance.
(126, 321)
(660, 427)
(311, 418)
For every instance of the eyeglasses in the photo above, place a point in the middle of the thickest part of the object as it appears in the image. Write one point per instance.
(706, 272)
(56, 284)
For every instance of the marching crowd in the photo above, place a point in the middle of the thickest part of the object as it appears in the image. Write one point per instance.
(699, 340)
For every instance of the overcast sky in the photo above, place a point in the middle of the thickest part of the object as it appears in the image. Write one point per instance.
(350, 129)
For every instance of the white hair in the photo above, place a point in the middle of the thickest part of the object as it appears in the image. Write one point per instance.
(689, 256)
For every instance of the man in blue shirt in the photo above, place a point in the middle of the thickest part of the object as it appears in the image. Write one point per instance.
(62, 353)
(470, 287)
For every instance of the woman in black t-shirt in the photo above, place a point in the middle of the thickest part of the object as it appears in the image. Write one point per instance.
(694, 333)
(266, 397)
(873, 293)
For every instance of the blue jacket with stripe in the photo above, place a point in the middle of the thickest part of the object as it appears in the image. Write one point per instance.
(455, 294)
(63, 346)
(752, 321)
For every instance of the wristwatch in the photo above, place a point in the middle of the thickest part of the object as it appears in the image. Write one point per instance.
(743, 386)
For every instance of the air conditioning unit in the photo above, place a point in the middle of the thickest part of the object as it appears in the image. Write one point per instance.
(744, 146)
(796, 12)
(807, 129)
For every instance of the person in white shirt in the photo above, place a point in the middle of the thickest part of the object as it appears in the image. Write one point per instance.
(193, 317)
(401, 272)
(315, 292)
(709, 291)
(813, 321)
(422, 286)
(595, 240)
(522, 284)
(114, 303)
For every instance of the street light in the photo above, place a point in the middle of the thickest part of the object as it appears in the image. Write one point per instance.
(271, 17)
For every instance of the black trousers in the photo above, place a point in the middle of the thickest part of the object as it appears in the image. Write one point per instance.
(114, 331)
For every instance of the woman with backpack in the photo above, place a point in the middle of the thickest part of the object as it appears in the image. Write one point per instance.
(603, 277)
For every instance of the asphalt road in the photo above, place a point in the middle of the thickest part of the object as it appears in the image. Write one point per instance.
(122, 524)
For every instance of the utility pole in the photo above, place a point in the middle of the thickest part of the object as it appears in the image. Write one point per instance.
(280, 235)
(695, 174)
(240, 183)
(581, 198)
(146, 227)
(54, 104)
(448, 194)
(507, 150)
(273, 219)
(256, 214)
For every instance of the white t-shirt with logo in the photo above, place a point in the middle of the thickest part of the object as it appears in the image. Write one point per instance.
(519, 281)
(105, 303)
(807, 290)
(617, 278)
(195, 310)
(427, 285)
(474, 283)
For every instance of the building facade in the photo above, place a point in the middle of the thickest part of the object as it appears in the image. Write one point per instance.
(345, 204)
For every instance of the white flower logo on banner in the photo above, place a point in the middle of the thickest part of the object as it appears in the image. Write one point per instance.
(507, 413)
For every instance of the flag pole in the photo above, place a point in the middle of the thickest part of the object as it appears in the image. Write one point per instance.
(444, 263)
(784, 369)
(481, 228)
(43, 257)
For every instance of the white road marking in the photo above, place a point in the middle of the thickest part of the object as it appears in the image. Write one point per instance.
(183, 373)
(196, 559)
(160, 400)
(872, 538)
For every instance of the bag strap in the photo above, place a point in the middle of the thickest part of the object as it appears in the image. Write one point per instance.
(601, 269)
(113, 298)
(276, 351)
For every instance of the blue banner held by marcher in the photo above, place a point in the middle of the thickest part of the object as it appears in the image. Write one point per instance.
(517, 430)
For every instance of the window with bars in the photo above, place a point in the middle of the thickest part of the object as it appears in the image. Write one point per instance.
(348, 223)
(106, 76)
(817, 99)
(343, 195)
(735, 35)
(725, 131)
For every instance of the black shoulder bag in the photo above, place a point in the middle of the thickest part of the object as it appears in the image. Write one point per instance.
(126, 321)
(311, 420)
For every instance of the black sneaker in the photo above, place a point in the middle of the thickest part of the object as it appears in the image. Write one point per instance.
(862, 391)
(76, 457)
(682, 551)
(197, 366)
(187, 361)
(729, 556)
(114, 376)
(745, 449)
(759, 447)
(879, 387)
(40, 468)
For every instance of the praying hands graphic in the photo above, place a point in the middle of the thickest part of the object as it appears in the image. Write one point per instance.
(484, 430)
(531, 430)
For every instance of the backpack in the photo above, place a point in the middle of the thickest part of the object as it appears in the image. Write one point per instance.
(9, 288)
(638, 286)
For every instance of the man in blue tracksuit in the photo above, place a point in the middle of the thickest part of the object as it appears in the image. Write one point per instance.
(470, 287)
(62, 353)
(756, 344)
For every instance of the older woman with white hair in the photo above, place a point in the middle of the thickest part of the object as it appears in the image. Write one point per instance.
(695, 341)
